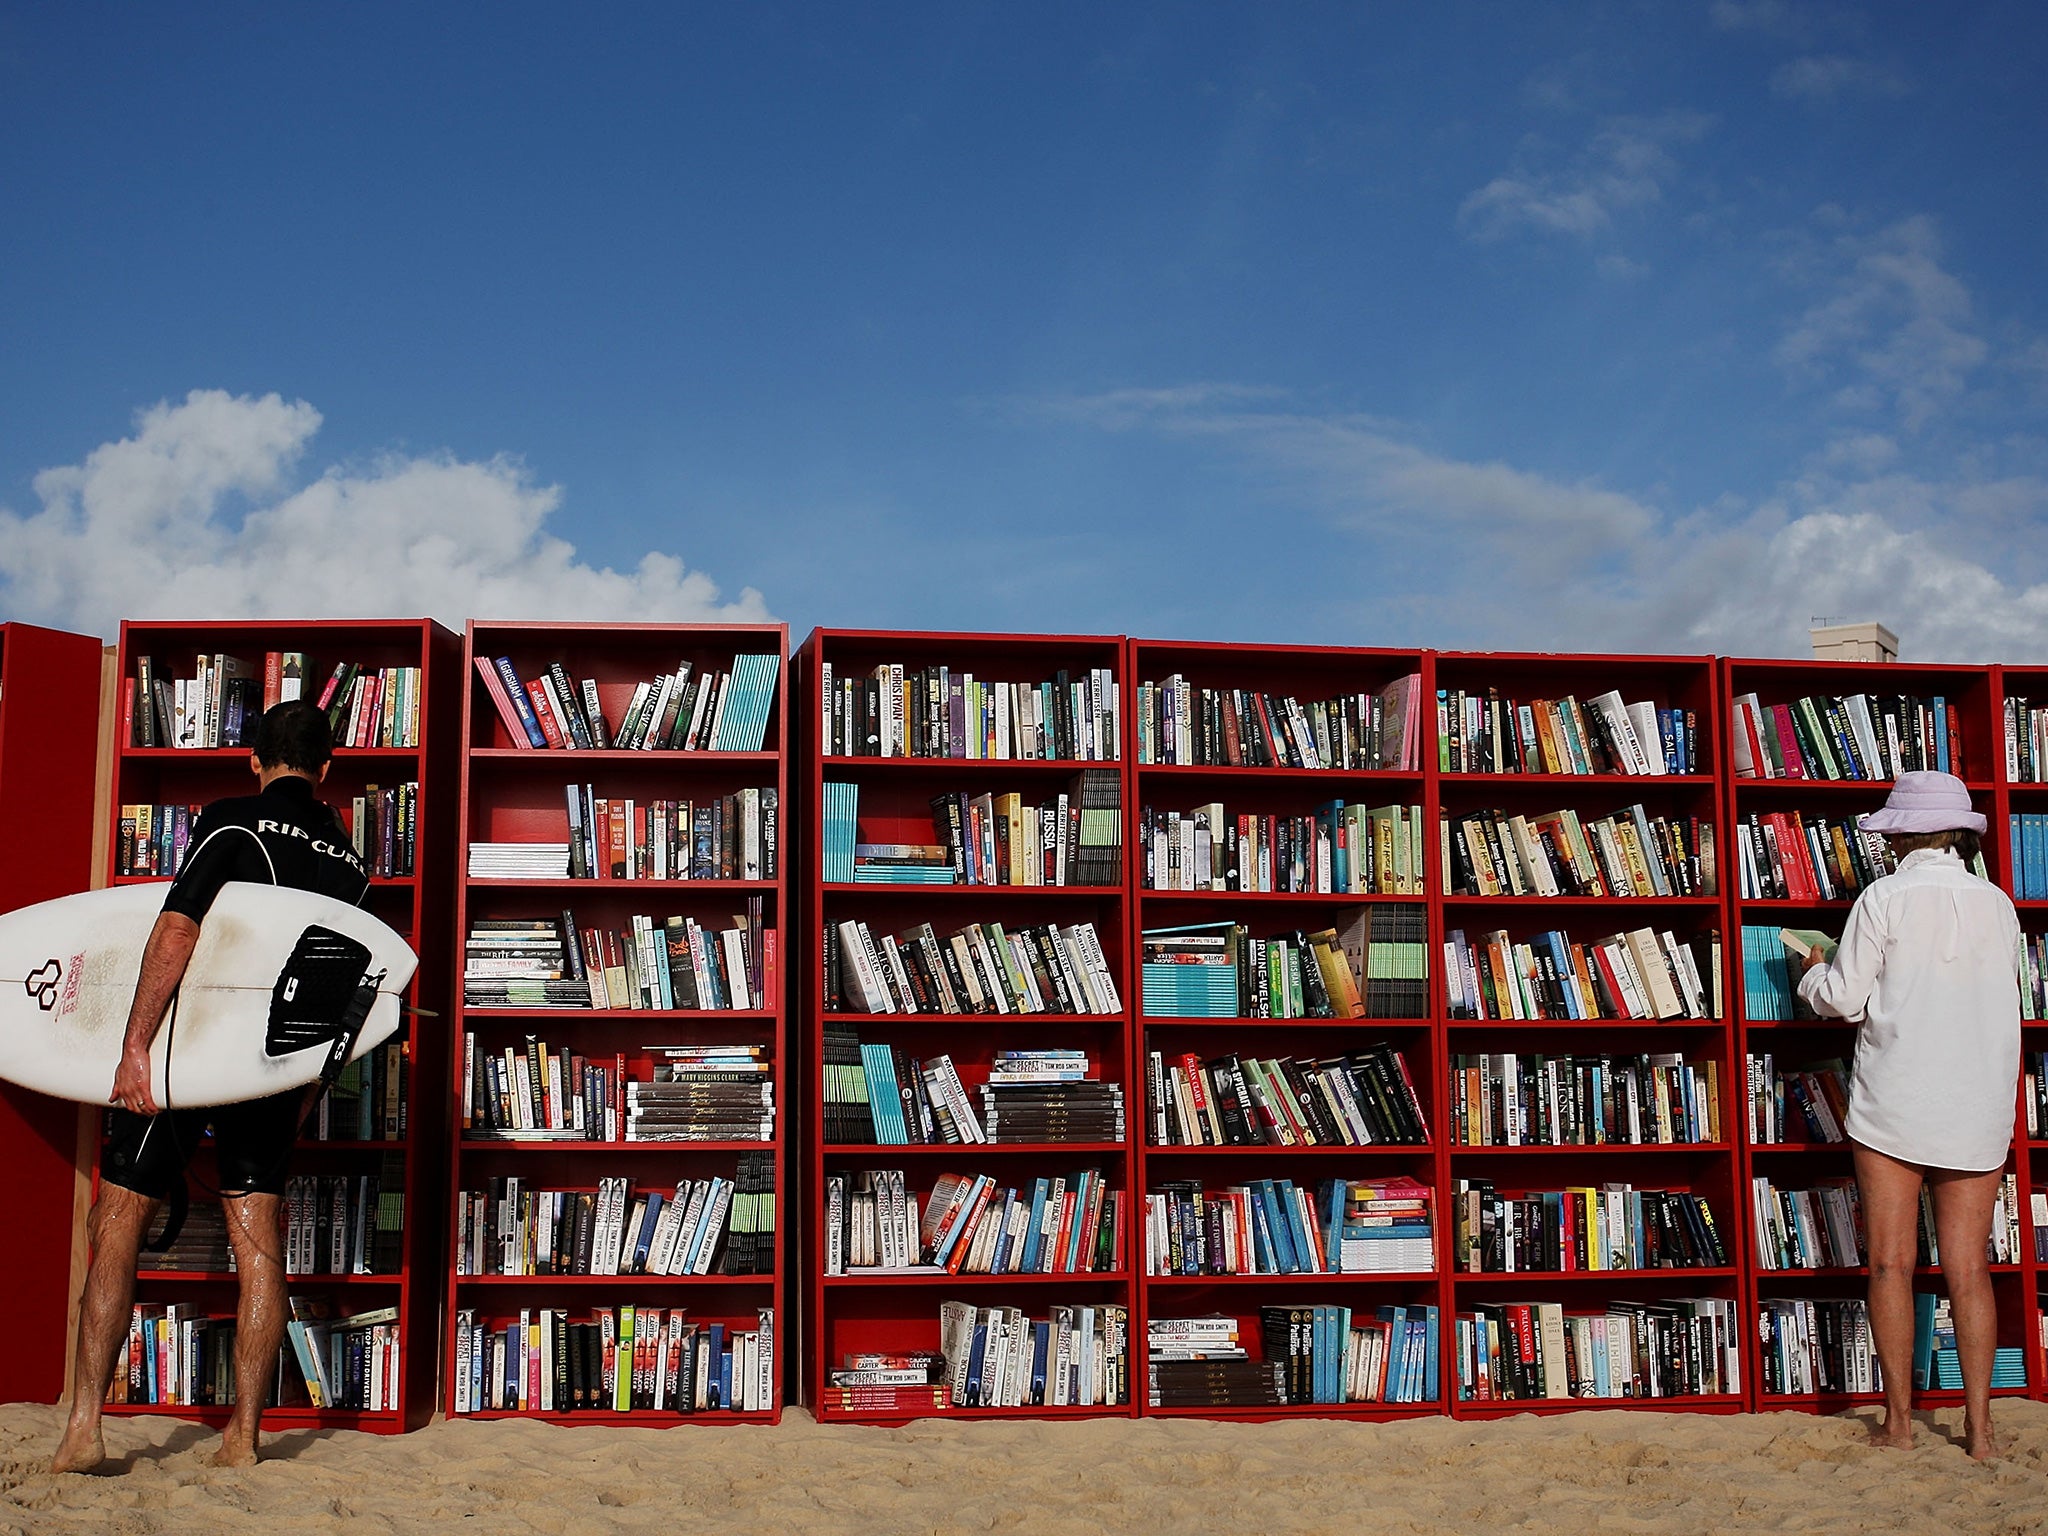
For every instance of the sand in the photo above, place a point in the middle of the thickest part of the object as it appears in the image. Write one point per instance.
(1581, 1474)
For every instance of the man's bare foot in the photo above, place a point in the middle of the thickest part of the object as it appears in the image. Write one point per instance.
(1982, 1444)
(80, 1450)
(1893, 1435)
(233, 1453)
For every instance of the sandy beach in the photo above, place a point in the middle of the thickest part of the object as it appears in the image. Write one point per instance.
(1585, 1472)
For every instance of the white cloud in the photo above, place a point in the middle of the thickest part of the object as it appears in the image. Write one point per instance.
(1626, 165)
(1824, 78)
(1529, 561)
(197, 515)
(1895, 332)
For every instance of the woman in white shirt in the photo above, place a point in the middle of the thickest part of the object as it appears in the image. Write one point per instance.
(1928, 968)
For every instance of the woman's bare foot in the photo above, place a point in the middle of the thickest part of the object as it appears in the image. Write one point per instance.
(81, 1449)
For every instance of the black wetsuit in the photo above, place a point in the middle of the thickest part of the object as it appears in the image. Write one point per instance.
(283, 836)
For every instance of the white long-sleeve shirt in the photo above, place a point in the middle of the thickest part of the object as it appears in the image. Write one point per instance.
(1929, 966)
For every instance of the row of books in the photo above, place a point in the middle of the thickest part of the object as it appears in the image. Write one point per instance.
(1785, 856)
(894, 711)
(1071, 838)
(1363, 1099)
(1492, 734)
(623, 1359)
(732, 837)
(712, 1225)
(528, 1091)
(1818, 1228)
(1527, 1099)
(1514, 1351)
(980, 968)
(2029, 831)
(1337, 849)
(2026, 742)
(673, 964)
(346, 1224)
(998, 1357)
(1630, 853)
(179, 1356)
(1816, 1344)
(1855, 736)
(969, 1223)
(368, 1101)
(1274, 1227)
(1375, 965)
(881, 1095)
(1182, 725)
(693, 709)
(1614, 1227)
(1312, 1353)
(1640, 973)
(1813, 1098)
(384, 826)
(219, 706)
(1822, 1227)
(346, 1362)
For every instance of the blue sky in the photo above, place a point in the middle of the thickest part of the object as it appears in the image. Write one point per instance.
(1628, 326)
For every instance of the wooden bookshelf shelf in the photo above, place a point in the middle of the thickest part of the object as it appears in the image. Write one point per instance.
(514, 794)
(418, 904)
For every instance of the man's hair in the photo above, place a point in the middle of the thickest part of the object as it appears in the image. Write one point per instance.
(294, 734)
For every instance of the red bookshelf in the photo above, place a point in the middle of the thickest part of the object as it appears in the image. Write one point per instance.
(514, 794)
(2022, 780)
(884, 1313)
(1192, 699)
(404, 1151)
(1798, 1161)
(49, 720)
(1491, 766)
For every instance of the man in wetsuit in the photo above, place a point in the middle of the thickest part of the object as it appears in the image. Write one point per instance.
(281, 835)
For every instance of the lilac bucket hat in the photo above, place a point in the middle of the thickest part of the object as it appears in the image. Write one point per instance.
(1925, 801)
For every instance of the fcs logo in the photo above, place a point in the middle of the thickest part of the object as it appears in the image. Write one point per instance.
(41, 984)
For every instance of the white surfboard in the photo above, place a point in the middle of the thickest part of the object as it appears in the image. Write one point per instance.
(272, 968)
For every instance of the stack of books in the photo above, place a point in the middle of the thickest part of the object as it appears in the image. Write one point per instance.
(842, 804)
(1190, 972)
(518, 861)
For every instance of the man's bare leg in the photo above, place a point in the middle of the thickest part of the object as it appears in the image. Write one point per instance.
(1963, 1204)
(119, 1221)
(259, 1319)
(1891, 1218)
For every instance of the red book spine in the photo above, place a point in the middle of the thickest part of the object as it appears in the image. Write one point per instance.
(1788, 741)
(545, 715)
(514, 729)
(273, 677)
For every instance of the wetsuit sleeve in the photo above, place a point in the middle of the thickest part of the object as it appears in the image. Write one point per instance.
(219, 849)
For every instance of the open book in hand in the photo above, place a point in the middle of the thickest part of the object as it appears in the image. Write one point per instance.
(1804, 941)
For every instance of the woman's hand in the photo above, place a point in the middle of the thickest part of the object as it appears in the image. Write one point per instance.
(131, 1083)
